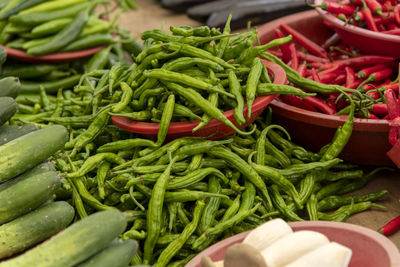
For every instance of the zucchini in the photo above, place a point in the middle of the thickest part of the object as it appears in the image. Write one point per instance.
(75, 244)
(9, 133)
(10, 86)
(34, 227)
(29, 150)
(117, 254)
(27, 192)
(8, 107)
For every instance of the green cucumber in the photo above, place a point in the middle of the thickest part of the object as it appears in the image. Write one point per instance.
(10, 86)
(8, 107)
(34, 227)
(29, 150)
(27, 192)
(75, 244)
(11, 132)
(117, 254)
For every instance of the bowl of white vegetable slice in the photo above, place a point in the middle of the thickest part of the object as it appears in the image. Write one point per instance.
(302, 244)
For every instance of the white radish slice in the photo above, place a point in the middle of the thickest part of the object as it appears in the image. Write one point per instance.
(267, 233)
(291, 247)
(219, 264)
(329, 255)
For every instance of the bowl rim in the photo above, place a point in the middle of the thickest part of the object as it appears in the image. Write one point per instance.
(390, 248)
(179, 127)
(354, 29)
(326, 120)
(54, 57)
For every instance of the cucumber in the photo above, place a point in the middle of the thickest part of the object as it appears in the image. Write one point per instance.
(27, 192)
(75, 244)
(29, 150)
(10, 86)
(117, 254)
(34, 227)
(8, 107)
(9, 133)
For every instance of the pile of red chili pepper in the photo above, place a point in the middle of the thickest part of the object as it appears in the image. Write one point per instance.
(371, 75)
(375, 15)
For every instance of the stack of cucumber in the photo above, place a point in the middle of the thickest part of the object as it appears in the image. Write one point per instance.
(42, 27)
(28, 212)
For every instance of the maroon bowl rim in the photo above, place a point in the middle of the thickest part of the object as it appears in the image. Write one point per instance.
(321, 119)
(55, 57)
(180, 127)
(389, 246)
(354, 29)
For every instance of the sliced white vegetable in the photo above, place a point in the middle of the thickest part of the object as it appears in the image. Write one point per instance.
(291, 247)
(267, 233)
(329, 255)
(219, 264)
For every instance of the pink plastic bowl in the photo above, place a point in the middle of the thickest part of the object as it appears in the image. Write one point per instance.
(370, 249)
(369, 142)
(363, 39)
(51, 58)
(215, 129)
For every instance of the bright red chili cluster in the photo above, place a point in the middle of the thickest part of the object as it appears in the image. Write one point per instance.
(376, 15)
(370, 74)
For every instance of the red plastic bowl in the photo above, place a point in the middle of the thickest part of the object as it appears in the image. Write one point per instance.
(370, 249)
(369, 142)
(215, 129)
(51, 58)
(363, 39)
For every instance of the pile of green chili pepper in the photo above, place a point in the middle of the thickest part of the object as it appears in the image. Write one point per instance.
(42, 27)
(207, 71)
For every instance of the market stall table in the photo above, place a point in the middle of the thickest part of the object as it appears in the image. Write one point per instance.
(150, 15)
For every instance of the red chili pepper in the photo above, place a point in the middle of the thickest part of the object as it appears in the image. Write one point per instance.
(350, 77)
(293, 56)
(311, 58)
(302, 69)
(311, 46)
(320, 104)
(372, 116)
(367, 71)
(380, 75)
(334, 7)
(359, 16)
(339, 79)
(359, 61)
(315, 75)
(369, 19)
(375, 95)
(380, 109)
(375, 6)
(390, 227)
(297, 101)
(284, 48)
(386, 117)
(328, 25)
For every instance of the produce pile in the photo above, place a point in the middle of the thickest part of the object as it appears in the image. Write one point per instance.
(43, 27)
(373, 76)
(178, 197)
(377, 16)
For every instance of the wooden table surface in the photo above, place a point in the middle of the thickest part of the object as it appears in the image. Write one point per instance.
(150, 15)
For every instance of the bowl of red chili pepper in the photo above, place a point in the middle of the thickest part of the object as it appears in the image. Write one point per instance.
(369, 248)
(367, 25)
(314, 119)
(214, 129)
